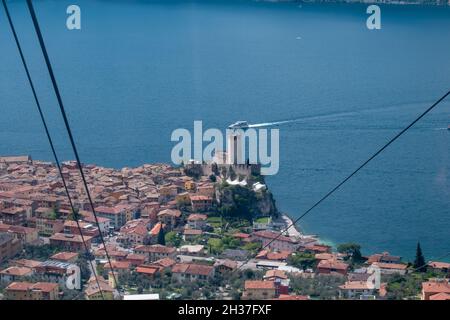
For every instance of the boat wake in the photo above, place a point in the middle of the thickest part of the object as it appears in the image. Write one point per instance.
(303, 119)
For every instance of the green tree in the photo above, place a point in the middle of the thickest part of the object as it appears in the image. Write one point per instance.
(401, 287)
(419, 262)
(43, 252)
(215, 246)
(83, 263)
(161, 237)
(173, 239)
(302, 260)
(352, 250)
(321, 287)
(73, 215)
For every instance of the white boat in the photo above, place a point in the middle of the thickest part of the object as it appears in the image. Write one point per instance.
(239, 125)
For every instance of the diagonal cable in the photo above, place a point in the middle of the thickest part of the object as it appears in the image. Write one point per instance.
(392, 140)
(30, 81)
(68, 129)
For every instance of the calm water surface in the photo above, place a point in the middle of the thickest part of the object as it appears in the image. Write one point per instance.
(139, 69)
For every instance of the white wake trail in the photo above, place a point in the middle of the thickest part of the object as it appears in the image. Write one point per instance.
(306, 118)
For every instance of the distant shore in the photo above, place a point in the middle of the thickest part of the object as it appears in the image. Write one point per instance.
(437, 3)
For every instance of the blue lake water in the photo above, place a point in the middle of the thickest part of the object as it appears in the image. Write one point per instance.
(137, 70)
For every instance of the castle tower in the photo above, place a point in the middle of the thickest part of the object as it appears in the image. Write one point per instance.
(234, 147)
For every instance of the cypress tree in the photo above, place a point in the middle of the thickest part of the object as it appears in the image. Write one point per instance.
(161, 237)
(419, 262)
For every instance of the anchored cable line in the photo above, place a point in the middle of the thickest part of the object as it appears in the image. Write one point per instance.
(329, 193)
(49, 138)
(68, 129)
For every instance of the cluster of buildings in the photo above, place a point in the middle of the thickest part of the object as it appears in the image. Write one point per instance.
(132, 205)
(135, 208)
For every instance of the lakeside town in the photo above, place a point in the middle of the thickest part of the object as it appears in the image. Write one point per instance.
(198, 231)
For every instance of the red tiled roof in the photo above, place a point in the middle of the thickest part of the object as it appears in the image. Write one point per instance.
(13, 210)
(69, 237)
(19, 286)
(436, 286)
(396, 266)
(197, 217)
(16, 271)
(200, 198)
(109, 210)
(124, 265)
(382, 256)
(192, 268)
(354, 285)
(170, 212)
(27, 263)
(135, 256)
(273, 235)
(259, 284)
(439, 265)
(227, 263)
(165, 262)
(318, 248)
(147, 270)
(45, 286)
(275, 274)
(325, 256)
(440, 296)
(25, 286)
(64, 256)
(156, 248)
(293, 297)
(156, 229)
(332, 264)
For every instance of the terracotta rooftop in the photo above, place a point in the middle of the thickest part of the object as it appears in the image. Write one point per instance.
(155, 248)
(354, 285)
(26, 263)
(69, 237)
(332, 264)
(258, 284)
(109, 210)
(124, 265)
(200, 198)
(64, 256)
(273, 235)
(25, 286)
(147, 269)
(192, 268)
(442, 286)
(439, 265)
(397, 266)
(164, 263)
(17, 271)
(170, 212)
(292, 297)
(440, 296)
(275, 274)
(197, 217)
